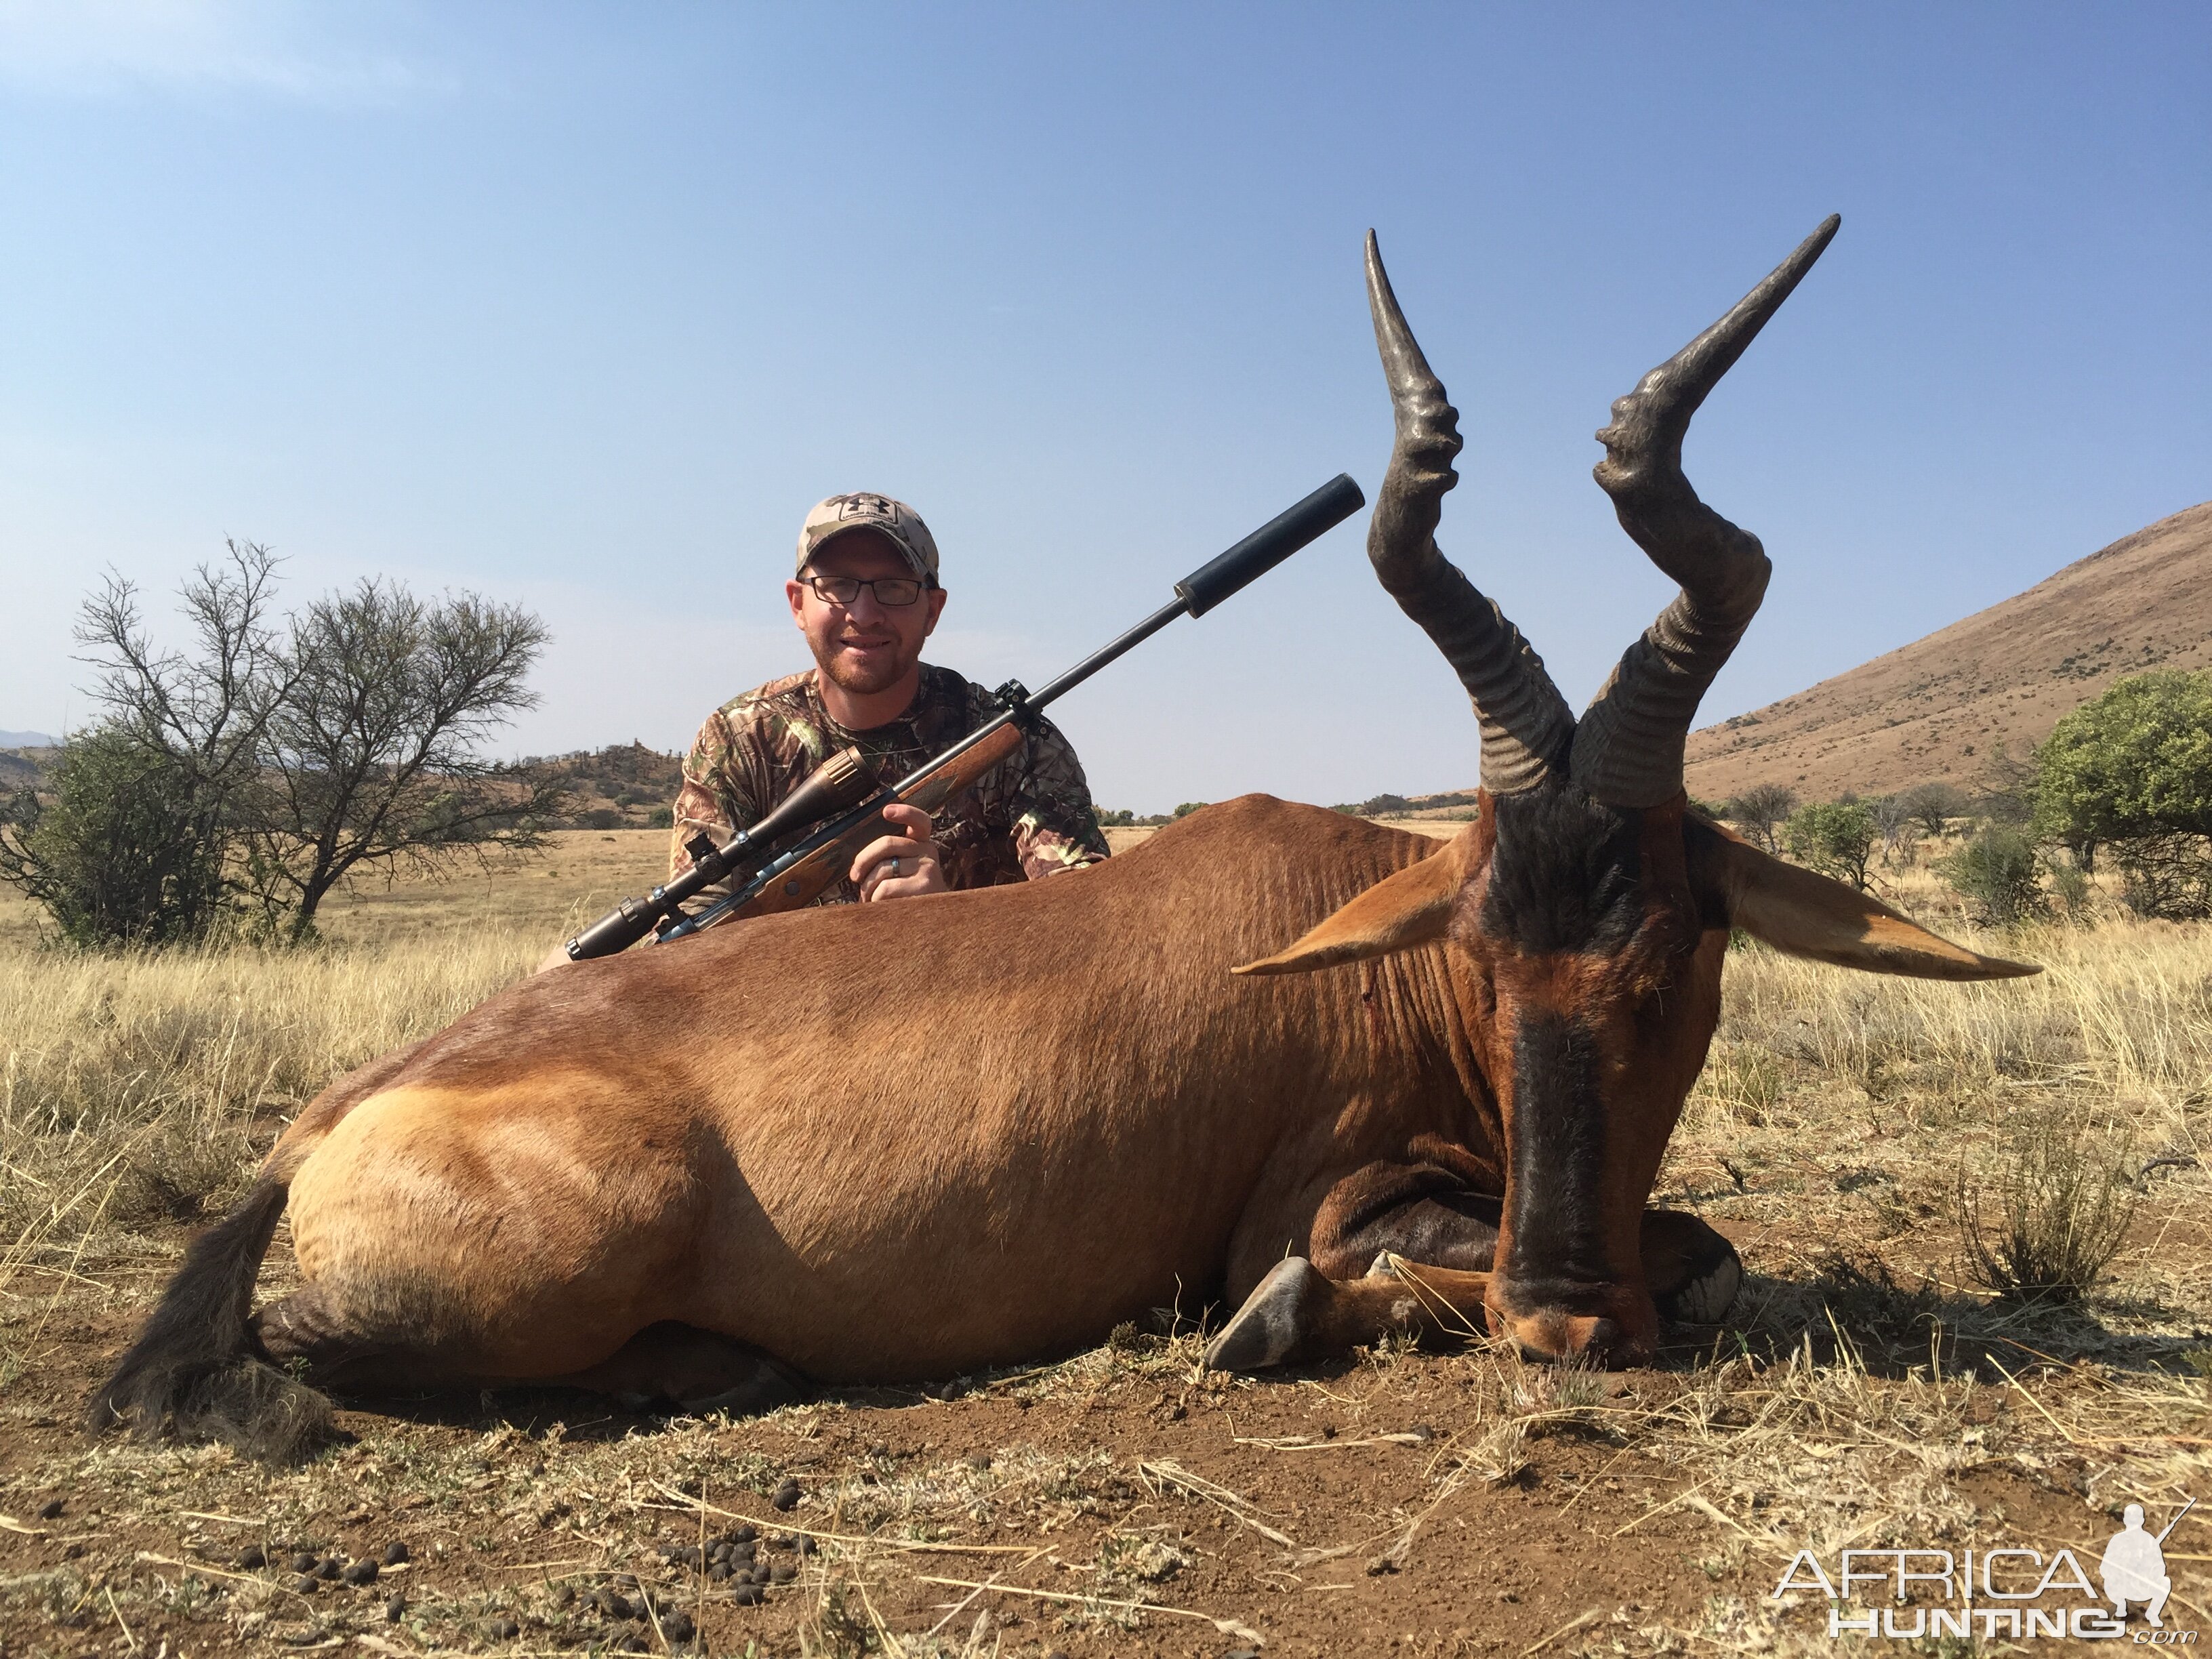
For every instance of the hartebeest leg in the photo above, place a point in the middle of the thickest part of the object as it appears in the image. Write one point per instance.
(1432, 1257)
(695, 1370)
(1297, 1312)
(664, 1365)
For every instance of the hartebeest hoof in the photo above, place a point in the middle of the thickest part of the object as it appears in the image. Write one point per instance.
(1272, 1319)
(1694, 1272)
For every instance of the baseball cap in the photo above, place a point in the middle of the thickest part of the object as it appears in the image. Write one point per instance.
(862, 511)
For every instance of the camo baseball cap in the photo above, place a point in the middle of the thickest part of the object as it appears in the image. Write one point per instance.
(861, 511)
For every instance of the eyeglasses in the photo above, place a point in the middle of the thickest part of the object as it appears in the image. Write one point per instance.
(843, 590)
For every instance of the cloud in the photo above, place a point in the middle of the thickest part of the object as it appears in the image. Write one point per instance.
(274, 49)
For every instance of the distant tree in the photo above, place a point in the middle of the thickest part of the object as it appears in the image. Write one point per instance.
(1761, 809)
(1118, 819)
(1933, 805)
(129, 851)
(288, 756)
(1896, 825)
(371, 757)
(2008, 792)
(135, 846)
(1187, 807)
(1836, 838)
(2132, 770)
(2135, 761)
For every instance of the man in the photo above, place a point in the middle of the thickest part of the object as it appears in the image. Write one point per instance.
(866, 595)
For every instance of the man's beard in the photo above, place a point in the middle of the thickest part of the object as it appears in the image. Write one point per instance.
(865, 679)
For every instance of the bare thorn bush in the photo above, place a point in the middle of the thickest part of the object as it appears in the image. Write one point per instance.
(2061, 1206)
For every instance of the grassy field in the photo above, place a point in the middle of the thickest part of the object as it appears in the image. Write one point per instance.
(1870, 1390)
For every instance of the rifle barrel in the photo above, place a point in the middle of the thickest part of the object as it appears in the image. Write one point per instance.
(1195, 594)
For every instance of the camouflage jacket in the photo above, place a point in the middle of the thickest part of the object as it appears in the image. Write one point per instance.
(1029, 816)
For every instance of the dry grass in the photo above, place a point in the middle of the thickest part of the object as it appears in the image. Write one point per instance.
(1867, 1394)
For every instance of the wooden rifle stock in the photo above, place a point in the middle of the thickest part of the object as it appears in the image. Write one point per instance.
(824, 866)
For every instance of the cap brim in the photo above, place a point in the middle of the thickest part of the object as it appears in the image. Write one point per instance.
(875, 527)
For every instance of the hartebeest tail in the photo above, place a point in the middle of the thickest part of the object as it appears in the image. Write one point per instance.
(196, 1370)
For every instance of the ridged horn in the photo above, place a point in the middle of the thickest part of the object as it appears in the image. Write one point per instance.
(1628, 746)
(1526, 728)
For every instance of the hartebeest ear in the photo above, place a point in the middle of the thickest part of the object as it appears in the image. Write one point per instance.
(1398, 913)
(1806, 914)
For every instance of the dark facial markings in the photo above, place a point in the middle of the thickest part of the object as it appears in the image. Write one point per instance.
(1563, 873)
(1557, 1155)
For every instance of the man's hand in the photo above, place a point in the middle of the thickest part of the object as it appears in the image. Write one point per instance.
(903, 865)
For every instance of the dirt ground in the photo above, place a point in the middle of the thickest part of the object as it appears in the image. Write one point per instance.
(1359, 1508)
(1124, 1501)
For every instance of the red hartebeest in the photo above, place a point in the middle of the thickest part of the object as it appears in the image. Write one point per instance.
(906, 1140)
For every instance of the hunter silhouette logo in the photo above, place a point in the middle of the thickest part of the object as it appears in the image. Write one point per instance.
(2011, 1592)
(2134, 1567)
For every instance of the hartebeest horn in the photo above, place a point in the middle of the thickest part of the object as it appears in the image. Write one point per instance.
(1628, 747)
(1527, 727)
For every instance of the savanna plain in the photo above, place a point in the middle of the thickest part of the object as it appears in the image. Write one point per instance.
(1871, 1388)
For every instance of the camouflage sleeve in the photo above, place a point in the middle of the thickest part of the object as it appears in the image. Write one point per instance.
(1055, 826)
(715, 796)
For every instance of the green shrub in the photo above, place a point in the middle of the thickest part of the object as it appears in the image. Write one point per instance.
(1998, 872)
(129, 851)
(1833, 837)
(2134, 761)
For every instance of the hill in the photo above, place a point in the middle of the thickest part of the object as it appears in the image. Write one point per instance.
(1934, 710)
(628, 786)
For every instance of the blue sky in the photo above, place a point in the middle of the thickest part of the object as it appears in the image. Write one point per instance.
(583, 307)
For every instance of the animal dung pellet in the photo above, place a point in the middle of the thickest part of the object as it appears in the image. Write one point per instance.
(394, 1553)
(395, 1609)
(719, 1550)
(506, 1630)
(253, 1556)
(615, 1604)
(747, 1594)
(783, 1573)
(302, 1583)
(303, 1561)
(49, 1511)
(363, 1572)
(804, 1544)
(719, 1571)
(677, 1627)
(744, 1535)
(786, 1496)
(329, 1567)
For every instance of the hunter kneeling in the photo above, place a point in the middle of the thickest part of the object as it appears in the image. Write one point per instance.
(866, 594)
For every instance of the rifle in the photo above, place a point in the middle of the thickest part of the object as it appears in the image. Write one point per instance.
(790, 857)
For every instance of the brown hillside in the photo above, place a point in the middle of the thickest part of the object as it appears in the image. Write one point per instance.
(1936, 709)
